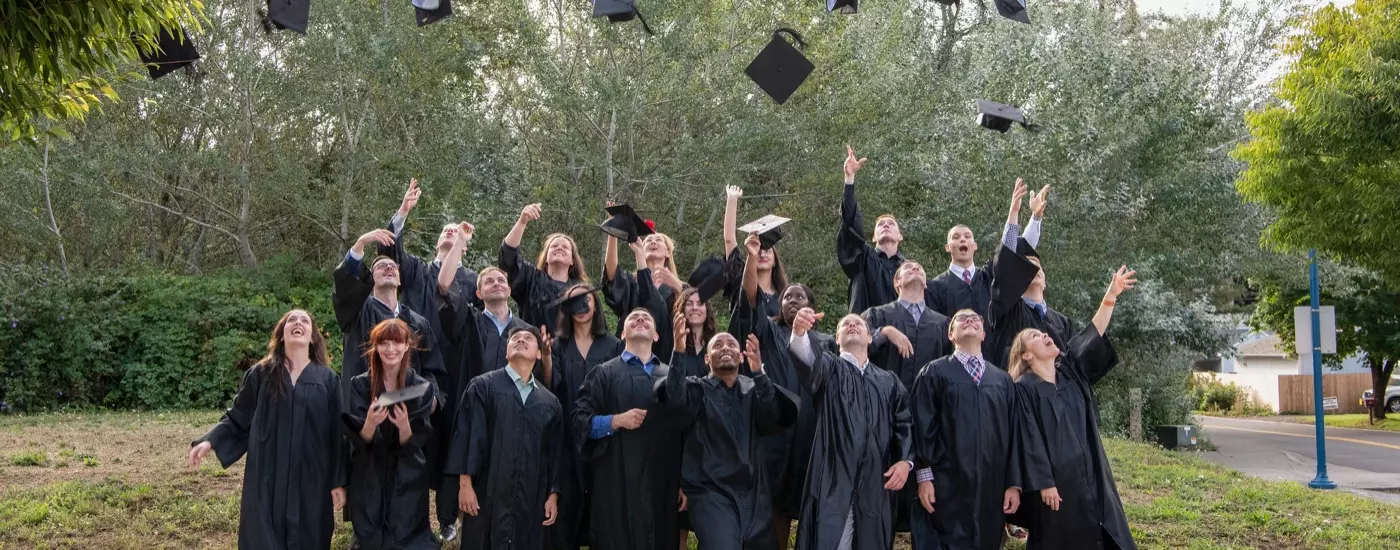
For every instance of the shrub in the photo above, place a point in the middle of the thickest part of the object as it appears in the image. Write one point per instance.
(1220, 397)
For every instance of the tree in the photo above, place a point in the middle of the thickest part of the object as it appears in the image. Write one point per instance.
(1323, 156)
(1368, 322)
(58, 56)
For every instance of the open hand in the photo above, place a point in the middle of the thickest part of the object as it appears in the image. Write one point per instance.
(410, 197)
(733, 192)
(1051, 498)
(466, 500)
(1038, 203)
(680, 331)
(198, 452)
(852, 165)
(1122, 280)
(530, 213)
(926, 496)
(805, 320)
(381, 237)
(897, 474)
(900, 341)
(752, 353)
(1018, 195)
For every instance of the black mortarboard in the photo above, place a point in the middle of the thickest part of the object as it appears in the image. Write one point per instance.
(289, 14)
(618, 11)
(1024, 248)
(573, 305)
(427, 16)
(768, 229)
(625, 224)
(1014, 10)
(779, 69)
(996, 116)
(845, 6)
(174, 51)
(708, 278)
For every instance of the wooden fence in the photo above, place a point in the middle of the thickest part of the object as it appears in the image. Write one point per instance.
(1295, 392)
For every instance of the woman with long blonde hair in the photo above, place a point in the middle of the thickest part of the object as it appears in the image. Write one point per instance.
(1069, 499)
(537, 287)
(389, 476)
(284, 418)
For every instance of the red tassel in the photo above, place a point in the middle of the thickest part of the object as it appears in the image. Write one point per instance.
(650, 225)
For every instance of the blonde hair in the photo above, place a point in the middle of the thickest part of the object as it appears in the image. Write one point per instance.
(576, 271)
(670, 250)
(1016, 358)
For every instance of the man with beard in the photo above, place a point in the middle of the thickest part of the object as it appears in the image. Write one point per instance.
(506, 451)
(964, 285)
(786, 454)
(633, 453)
(863, 423)
(360, 306)
(962, 426)
(722, 471)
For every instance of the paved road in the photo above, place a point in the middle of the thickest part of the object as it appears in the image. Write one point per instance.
(1357, 460)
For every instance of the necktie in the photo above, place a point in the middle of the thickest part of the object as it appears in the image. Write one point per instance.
(915, 311)
(975, 368)
(967, 277)
(1040, 308)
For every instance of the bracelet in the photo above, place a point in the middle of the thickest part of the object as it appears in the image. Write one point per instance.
(1109, 303)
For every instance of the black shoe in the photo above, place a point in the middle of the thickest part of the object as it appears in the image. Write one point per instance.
(449, 533)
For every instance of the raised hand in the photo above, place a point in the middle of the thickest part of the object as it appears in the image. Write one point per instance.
(752, 245)
(629, 420)
(852, 165)
(547, 344)
(900, 341)
(529, 213)
(1122, 280)
(381, 237)
(197, 454)
(751, 352)
(805, 320)
(680, 329)
(465, 232)
(1051, 498)
(1038, 203)
(668, 278)
(1018, 195)
(733, 192)
(410, 197)
(897, 474)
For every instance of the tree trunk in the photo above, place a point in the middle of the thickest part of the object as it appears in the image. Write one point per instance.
(245, 184)
(1381, 370)
(53, 221)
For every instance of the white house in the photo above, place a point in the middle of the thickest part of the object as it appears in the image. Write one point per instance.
(1259, 359)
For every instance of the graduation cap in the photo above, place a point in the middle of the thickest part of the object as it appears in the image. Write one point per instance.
(173, 52)
(427, 12)
(410, 393)
(289, 14)
(618, 11)
(768, 229)
(574, 305)
(1014, 10)
(708, 278)
(625, 224)
(845, 6)
(779, 69)
(996, 116)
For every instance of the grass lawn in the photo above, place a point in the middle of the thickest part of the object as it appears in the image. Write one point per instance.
(1390, 424)
(117, 481)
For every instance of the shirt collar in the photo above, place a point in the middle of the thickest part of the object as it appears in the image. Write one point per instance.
(514, 376)
(495, 319)
(963, 357)
(629, 357)
(1034, 304)
(905, 303)
(852, 360)
(386, 306)
(958, 270)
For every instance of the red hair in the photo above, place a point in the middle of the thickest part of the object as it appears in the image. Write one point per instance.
(388, 330)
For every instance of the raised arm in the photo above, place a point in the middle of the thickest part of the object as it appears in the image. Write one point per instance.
(528, 214)
(410, 267)
(349, 289)
(731, 215)
(813, 367)
(610, 259)
(851, 247)
(750, 281)
(448, 273)
(1122, 280)
(1032, 231)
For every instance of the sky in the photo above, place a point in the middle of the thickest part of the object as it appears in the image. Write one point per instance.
(1184, 7)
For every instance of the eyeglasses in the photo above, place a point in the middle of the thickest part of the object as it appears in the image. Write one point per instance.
(386, 266)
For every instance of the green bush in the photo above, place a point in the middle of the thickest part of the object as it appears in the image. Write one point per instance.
(144, 340)
(1219, 398)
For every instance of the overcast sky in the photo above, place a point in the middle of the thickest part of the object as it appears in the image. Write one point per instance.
(1182, 7)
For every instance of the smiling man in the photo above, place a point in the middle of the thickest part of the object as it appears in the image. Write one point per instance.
(632, 451)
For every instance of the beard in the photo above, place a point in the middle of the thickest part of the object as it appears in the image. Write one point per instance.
(726, 367)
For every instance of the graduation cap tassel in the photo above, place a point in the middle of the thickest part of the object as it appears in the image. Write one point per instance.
(645, 26)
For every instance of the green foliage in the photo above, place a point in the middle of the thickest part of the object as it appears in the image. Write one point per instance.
(30, 458)
(60, 57)
(1323, 157)
(147, 341)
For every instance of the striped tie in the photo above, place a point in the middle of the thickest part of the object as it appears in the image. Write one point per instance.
(967, 277)
(975, 368)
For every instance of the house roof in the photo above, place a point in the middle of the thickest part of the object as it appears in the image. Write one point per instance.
(1267, 346)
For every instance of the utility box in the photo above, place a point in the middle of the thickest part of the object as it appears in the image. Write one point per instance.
(1177, 438)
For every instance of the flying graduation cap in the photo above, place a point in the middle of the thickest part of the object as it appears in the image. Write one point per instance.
(625, 224)
(768, 229)
(1014, 10)
(427, 12)
(618, 11)
(172, 52)
(289, 14)
(779, 69)
(996, 116)
(844, 6)
(709, 278)
(574, 305)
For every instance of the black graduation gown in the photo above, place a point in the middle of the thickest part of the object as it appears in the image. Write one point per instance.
(296, 456)
(485, 346)
(962, 430)
(722, 470)
(387, 497)
(357, 312)
(1008, 314)
(512, 451)
(770, 303)
(419, 289)
(533, 290)
(635, 473)
(1061, 447)
(870, 270)
(948, 293)
(570, 370)
(863, 427)
(786, 455)
(929, 336)
(626, 292)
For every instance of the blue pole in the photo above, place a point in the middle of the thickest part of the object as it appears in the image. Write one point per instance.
(1321, 481)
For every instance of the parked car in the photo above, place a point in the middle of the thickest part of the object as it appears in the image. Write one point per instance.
(1392, 396)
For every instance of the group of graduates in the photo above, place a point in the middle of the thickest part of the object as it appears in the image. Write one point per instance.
(949, 407)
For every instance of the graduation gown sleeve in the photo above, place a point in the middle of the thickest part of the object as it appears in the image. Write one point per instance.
(1033, 469)
(928, 417)
(229, 438)
(468, 454)
(1093, 356)
(902, 422)
(349, 293)
(1012, 274)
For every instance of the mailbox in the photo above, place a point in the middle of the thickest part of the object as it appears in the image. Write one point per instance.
(1177, 438)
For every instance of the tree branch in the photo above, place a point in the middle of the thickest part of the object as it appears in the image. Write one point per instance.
(172, 211)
